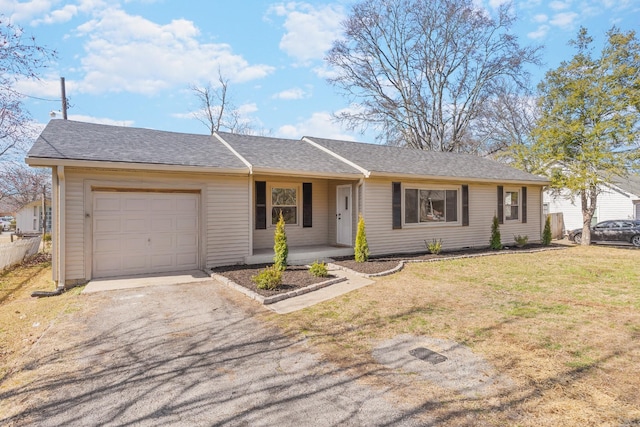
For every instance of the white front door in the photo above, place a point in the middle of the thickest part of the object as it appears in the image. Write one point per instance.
(343, 215)
(142, 233)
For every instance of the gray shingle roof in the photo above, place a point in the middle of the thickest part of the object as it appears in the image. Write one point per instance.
(407, 161)
(630, 184)
(71, 140)
(285, 154)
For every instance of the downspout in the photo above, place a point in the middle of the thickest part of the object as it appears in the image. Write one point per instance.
(61, 227)
(57, 233)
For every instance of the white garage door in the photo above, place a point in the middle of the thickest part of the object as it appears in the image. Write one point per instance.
(142, 233)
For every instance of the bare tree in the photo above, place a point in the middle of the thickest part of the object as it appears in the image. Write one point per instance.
(217, 112)
(20, 58)
(420, 71)
(21, 184)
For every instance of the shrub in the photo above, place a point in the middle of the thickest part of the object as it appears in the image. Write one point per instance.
(496, 240)
(520, 240)
(319, 269)
(362, 247)
(269, 278)
(280, 248)
(546, 233)
(46, 237)
(435, 246)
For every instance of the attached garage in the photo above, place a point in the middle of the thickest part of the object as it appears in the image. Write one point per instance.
(144, 232)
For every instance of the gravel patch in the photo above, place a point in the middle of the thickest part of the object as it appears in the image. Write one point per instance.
(462, 371)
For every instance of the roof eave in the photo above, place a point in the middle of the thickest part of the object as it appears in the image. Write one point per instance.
(50, 162)
(375, 174)
(302, 173)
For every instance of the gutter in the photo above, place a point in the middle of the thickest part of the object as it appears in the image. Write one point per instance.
(457, 178)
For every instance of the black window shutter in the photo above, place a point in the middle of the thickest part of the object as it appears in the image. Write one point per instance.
(307, 216)
(524, 205)
(261, 205)
(500, 204)
(397, 205)
(465, 205)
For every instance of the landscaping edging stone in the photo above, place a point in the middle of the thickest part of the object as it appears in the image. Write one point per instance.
(275, 298)
(402, 262)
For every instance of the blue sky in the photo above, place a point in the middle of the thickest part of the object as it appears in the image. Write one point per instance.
(130, 62)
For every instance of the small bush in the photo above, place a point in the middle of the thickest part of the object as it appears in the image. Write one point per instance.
(496, 240)
(280, 247)
(435, 246)
(361, 249)
(546, 233)
(46, 237)
(520, 240)
(319, 269)
(270, 278)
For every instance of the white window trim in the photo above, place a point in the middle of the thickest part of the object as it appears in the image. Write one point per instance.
(410, 186)
(504, 204)
(298, 189)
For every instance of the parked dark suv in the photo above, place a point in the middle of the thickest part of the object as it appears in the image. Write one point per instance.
(623, 230)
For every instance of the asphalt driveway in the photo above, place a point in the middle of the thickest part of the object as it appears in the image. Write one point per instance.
(190, 354)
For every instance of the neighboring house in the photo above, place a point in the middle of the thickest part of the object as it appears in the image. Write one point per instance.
(138, 201)
(29, 219)
(619, 199)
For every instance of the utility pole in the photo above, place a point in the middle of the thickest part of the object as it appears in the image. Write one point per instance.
(64, 98)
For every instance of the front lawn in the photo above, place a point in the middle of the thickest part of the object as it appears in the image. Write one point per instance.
(563, 326)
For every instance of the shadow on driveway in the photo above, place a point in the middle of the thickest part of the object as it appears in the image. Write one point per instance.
(189, 354)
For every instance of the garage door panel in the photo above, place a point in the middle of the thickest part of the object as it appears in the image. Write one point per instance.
(188, 240)
(107, 225)
(186, 224)
(141, 233)
(109, 203)
(162, 224)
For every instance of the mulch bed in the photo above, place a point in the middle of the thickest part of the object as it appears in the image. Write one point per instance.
(294, 277)
(376, 265)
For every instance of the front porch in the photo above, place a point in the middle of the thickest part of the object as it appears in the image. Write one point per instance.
(301, 254)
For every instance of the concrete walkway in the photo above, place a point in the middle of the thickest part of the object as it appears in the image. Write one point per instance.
(352, 283)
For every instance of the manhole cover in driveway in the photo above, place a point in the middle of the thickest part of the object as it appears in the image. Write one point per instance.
(427, 355)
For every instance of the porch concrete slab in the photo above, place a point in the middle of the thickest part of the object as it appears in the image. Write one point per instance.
(130, 282)
(352, 283)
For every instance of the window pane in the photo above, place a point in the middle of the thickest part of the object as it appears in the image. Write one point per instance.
(432, 205)
(452, 206)
(410, 206)
(283, 196)
(290, 215)
(511, 205)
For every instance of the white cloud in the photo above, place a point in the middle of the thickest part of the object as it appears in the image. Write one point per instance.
(497, 3)
(565, 20)
(291, 94)
(559, 5)
(24, 11)
(319, 123)
(100, 120)
(540, 18)
(310, 30)
(130, 53)
(541, 32)
(58, 16)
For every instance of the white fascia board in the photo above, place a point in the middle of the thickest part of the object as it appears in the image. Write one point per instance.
(49, 162)
(390, 175)
(310, 174)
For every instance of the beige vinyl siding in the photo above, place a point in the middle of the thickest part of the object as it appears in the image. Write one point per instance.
(296, 234)
(227, 211)
(74, 227)
(383, 239)
(224, 206)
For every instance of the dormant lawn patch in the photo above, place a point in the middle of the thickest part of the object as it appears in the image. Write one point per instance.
(560, 329)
